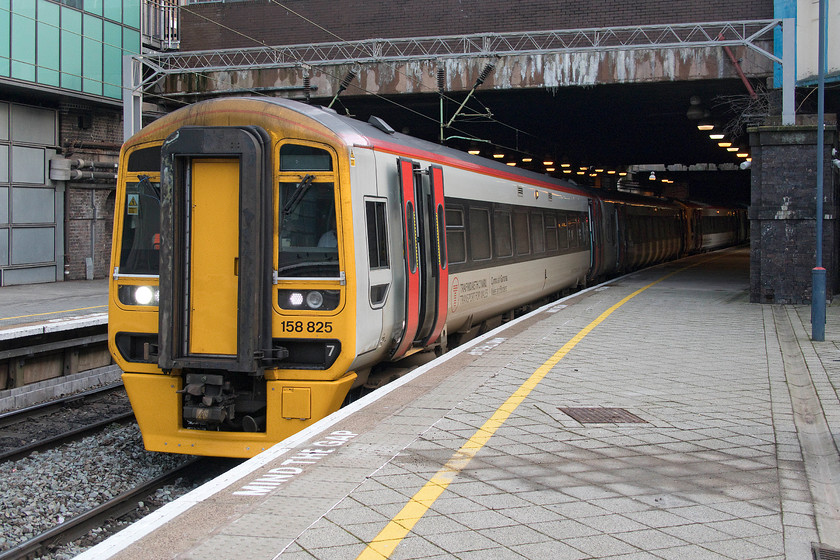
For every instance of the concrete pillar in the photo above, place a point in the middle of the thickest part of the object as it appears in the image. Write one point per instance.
(783, 212)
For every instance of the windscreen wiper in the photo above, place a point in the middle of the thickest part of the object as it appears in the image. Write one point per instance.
(298, 195)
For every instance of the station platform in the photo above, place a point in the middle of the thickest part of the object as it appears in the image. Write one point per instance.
(35, 308)
(660, 415)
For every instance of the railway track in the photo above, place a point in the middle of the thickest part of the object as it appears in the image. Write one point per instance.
(78, 526)
(33, 428)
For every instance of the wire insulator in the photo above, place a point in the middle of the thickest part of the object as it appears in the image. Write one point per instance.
(484, 73)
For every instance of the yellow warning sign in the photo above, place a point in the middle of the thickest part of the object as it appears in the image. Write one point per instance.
(133, 205)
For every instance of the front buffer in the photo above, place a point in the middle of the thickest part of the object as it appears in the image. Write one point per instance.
(290, 407)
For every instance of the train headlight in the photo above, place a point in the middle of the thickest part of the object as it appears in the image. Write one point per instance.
(321, 300)
(314, 300)
(148, 296)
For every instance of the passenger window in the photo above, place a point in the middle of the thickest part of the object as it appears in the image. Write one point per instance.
(502, 233)
(479, 234)
(563, 230)
(377, 234)
(522, 236)
(537, 233)
(550, 232)
(455, 235)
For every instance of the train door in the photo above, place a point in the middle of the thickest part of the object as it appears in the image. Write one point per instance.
(596, 245)
(214, 256)
(424, 245)
(215, 253)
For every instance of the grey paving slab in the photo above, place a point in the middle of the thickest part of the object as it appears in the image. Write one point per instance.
(720, 467)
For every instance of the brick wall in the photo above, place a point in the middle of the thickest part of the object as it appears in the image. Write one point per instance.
(349, 20)
(782, 214)
(94, 134)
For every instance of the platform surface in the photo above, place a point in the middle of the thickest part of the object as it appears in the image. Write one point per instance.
(33, 308)
(719, 442)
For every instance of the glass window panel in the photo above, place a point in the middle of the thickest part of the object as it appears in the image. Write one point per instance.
(4, 121)
(33, 125)
(550, 232)
(563, 230)
(479, 234)
(33, 245)
(306, 219)
(23, 41)
(48, 48)
(31, 206)
(27, 165)
(4, 205)
(92, 45)
(521, 234)
(112, 61)
(502, 234)
(131, 41)
(4, 246)
(140, 244)
(131, 13)
(113, 10)
(5, 23)
(456, 244)
(71, 49)
(296, 157)
(93, 6)
(537, 233)
(4, 166)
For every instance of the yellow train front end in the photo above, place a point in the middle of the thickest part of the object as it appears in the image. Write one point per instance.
(231, 312)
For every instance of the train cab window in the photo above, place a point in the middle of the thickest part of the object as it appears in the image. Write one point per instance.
(502, 233)
(456, 239)
(537, 233)
(550, 232)
(377, 234)
(296, 157)
(140, 244)
(308, 235)
(479, 234)
(521, 233)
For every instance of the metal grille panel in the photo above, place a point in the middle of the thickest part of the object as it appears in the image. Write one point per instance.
(822, 552)
(602, 415)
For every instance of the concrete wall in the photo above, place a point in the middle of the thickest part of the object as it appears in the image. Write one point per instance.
(365, 19)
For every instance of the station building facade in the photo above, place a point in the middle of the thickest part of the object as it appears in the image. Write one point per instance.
(61, 99)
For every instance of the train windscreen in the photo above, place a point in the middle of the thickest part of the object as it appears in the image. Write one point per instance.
(140, 244)
(308, 236)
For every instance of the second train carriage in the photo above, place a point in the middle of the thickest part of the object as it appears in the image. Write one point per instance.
(268, 253)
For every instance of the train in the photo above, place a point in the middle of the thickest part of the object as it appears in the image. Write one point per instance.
(268, 255)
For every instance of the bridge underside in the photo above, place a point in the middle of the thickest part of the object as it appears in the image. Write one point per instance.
(612, 110)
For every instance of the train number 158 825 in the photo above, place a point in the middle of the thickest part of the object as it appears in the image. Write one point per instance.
(306, 326)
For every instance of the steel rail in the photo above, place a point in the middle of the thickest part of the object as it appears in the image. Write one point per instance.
(66, 437)
(77, 526)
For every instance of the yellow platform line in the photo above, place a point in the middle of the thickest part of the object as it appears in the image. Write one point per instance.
(52, 313)
(383, 545)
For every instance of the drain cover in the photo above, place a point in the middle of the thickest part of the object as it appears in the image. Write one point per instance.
(823, 552)
(601, 415)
